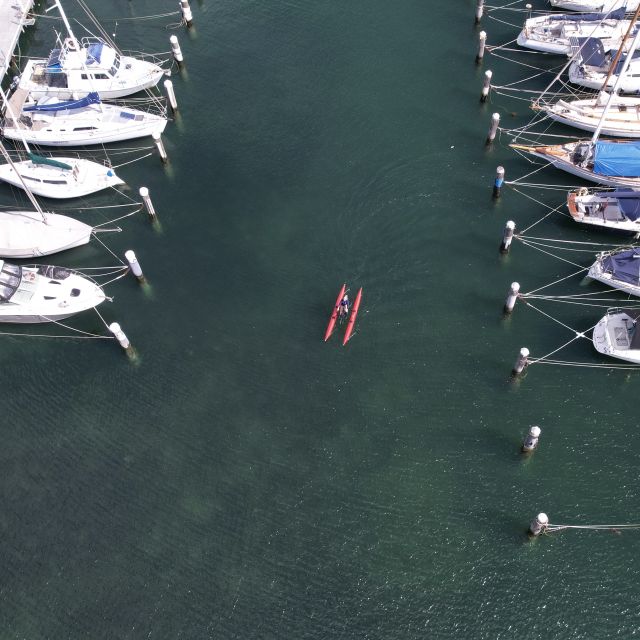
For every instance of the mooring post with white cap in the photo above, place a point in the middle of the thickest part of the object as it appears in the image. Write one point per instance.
(482, 41)
(486, 86)
(539, 524)
(512, 296)
(187, 16)
(507, 236)
(157, 138)
(177, 51)
(120, 336)
(498, 182)
(134, 265)
(528, 7)
(493, 129)
(146, 198)
(531, 441)
(521, 362)
(479, 11)
(171, 95)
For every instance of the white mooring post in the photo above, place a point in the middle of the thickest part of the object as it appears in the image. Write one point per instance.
(486, 86)
(493, 129)
(146, 198)
(120, 336)
(507, 236)
(521, 362)
(134, 265)
(171, 95)
(157, 138)
(531, 441)
(479, 11)
(177, 51)
(187, 16)
(482, 41)
(512, 296)
(497, 185)
(539, 524)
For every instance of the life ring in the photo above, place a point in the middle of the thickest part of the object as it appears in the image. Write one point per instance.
(70, 44)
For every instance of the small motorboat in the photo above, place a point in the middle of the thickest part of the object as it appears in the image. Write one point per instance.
(39, 293)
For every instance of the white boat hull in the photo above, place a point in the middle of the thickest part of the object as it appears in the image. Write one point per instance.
(25, 234)
(614, 336)
(563, 162)
(622, 121)
(596, 272)
(89, 126)
(46, 294)
(76, 82)
(84, 178)
(598, 210)
(594, 5)
(551, 34)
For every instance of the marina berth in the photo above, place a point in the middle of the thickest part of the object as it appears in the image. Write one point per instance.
(83, 122)
(617, 335)
(618, 210)
(33, 294)
(618, 269)
(551, 33)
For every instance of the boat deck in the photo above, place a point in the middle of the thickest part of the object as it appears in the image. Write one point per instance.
(13, 18)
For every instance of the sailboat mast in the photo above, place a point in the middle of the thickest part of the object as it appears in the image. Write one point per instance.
(63, 15)
(34, 202)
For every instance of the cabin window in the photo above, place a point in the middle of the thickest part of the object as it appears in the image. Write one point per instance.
(55, 181)
(85, 128)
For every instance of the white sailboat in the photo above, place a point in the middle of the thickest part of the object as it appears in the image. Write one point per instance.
(594, 5)
(29, 234)
(41, 293)
(78, 67)
(617, 335)
(611, 162)
(622, 118)
(83, 122)
(552, 33)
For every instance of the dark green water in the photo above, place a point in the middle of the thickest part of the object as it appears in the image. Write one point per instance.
(246, 480)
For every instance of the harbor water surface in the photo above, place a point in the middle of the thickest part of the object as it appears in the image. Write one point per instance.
(244, 479)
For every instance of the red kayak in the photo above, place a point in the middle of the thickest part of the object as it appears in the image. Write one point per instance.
(352, 319)
(334, 315)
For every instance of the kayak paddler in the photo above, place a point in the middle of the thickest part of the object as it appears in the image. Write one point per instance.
(343, 310)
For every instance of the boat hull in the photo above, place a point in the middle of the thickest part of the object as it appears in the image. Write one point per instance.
(84, 178)
(613, 337)
(334, 314)
(25, 234)
(352, 318)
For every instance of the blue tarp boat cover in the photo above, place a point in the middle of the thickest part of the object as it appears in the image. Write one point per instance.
(53, 63)
(94, 51)
(91, 98)
(630, 207)
(624, 265)
(617, 159)
(591, 51)
(618, 14)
